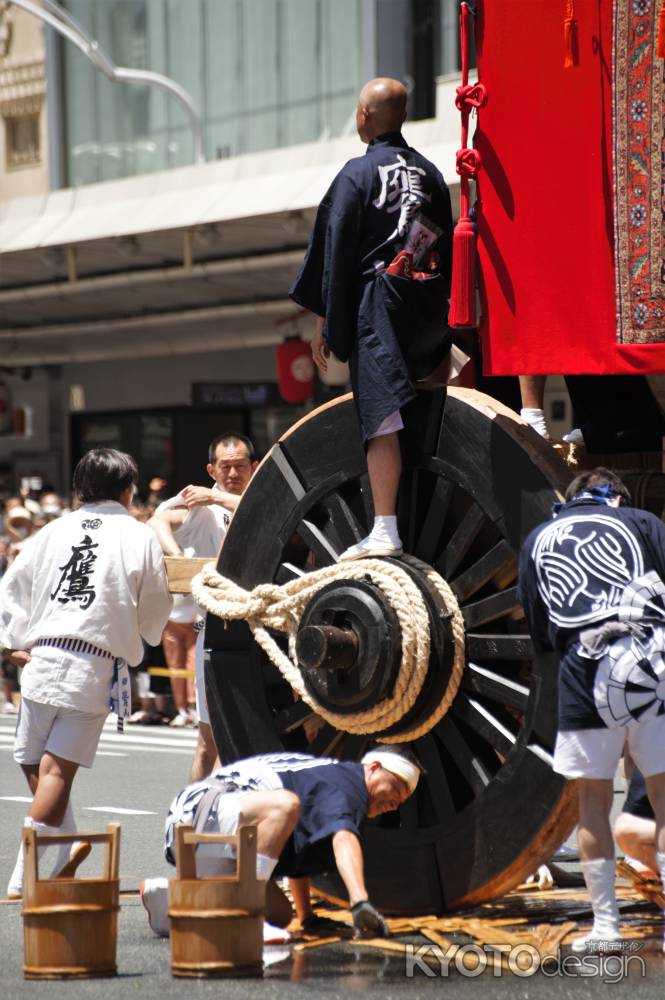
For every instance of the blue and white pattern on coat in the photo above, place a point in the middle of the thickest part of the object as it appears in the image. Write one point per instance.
(630, 680)
(583, 566)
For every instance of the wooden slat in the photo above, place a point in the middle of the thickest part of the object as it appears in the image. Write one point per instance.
(479, 680)
(180, 570)
(490, 608)
(487, 646)
(463, 537)
(500, 558)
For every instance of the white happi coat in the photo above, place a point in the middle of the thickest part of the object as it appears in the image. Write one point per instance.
(95, 574)
(201, 534)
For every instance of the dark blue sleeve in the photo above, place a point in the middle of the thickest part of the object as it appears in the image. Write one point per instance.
(530, 599)
(325, 815)
(327, 282)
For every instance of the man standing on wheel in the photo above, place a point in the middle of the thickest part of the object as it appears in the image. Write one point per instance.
(377, 278)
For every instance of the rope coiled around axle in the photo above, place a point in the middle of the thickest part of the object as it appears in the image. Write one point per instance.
(280, 607)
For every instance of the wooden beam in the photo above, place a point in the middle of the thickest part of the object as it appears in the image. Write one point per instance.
(180, 571)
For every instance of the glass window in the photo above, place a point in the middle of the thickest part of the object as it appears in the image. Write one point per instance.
(263, 73)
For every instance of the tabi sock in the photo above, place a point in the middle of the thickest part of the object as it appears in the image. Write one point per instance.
(599, 876)
(63, 853)
(265, 866)
(384, 531)
(535, 418)
(15, 886)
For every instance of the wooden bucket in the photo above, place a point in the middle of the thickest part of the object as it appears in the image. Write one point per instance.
(216, 923)
(70, 925)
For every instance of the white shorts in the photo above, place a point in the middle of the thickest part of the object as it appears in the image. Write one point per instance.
(595, 753)
(220, 859)
(390, 425)
(201, 700)
(63, 732)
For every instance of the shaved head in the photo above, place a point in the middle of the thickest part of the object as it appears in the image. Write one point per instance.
(381, 108)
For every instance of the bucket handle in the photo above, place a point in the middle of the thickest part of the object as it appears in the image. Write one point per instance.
(31, 841)
(245, 841)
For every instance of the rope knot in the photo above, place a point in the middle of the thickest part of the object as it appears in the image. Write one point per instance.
(468, 162)
(471, 95)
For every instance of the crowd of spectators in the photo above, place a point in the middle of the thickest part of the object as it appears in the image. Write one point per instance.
(21, 517)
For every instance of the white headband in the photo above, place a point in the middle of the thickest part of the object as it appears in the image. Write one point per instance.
(396, 764)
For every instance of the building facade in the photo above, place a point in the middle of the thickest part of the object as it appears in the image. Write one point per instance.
(142, 296)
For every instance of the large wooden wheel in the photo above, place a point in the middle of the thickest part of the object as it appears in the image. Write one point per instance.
(475, 481)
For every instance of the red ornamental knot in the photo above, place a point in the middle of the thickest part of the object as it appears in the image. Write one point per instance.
(471, 95)
(469, 162)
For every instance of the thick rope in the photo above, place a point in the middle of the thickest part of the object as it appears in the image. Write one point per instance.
(270, 606)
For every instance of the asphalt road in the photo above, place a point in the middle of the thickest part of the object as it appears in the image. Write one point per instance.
(133, 780)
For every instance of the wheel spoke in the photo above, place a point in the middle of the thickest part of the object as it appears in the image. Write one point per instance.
(314, 538)
(292, 717)
(325, 741)
(432, 526)
(470, 766)
(479, 680)
(480, 646)
(483, 722)
(407, 508)
(343, 520)
(436, 778)
(490, 608)
(287, 571)
(462, 539)
(499, 559)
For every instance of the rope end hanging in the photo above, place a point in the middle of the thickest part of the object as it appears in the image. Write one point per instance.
(462, 311)
(570, 36)
(660, 38)
(463, 287)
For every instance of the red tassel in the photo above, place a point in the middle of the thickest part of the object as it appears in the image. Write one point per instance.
(660, 44)
(569, 39)
(463, 289)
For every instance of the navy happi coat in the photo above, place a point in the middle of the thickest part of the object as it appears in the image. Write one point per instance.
(374, 319)
(589, 566)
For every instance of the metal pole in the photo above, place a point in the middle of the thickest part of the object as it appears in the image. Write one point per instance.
(62, 21)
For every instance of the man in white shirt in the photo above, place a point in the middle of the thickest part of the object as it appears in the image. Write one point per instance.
(194, 523)
(75, 607)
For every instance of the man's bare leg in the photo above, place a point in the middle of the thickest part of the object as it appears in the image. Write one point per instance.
(597, 859)
(50, 782)
(532, 390)
(205, 755)
(636, 837)
(384, 466)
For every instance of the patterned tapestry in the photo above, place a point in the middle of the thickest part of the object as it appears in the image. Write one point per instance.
(639, 157)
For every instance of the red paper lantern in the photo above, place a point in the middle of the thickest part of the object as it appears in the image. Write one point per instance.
(295, 370)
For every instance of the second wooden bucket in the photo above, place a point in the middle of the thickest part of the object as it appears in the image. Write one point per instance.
(216, 923)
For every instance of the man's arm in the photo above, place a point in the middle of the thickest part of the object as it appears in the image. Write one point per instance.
(367, 921)
(164, 525)
(350, 864)
(16, 601)
(201, 496)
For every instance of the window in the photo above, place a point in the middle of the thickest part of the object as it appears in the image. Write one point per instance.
(22, 141)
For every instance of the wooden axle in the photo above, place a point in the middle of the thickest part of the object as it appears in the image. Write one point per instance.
(326, 647)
